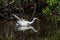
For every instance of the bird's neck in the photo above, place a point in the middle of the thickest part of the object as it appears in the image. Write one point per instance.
(33, 21)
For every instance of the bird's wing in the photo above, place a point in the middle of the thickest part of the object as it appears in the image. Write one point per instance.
(18, 25)
(16, 17)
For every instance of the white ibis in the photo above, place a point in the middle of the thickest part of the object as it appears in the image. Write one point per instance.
(24, 25)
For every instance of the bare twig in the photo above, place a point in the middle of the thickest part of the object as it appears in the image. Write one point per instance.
(34, 8)
(23, 7)
(34, 11)
(10, 3)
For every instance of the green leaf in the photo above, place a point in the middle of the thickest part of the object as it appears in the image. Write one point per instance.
(51, 2)
(1, 2)
(46, 11)
(26, 1)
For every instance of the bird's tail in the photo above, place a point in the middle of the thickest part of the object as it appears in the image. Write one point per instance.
(16, 16)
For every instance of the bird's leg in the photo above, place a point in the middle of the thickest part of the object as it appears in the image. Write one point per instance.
(16, 16)
(32, 28)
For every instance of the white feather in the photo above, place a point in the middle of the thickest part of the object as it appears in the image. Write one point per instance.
(25, 24)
